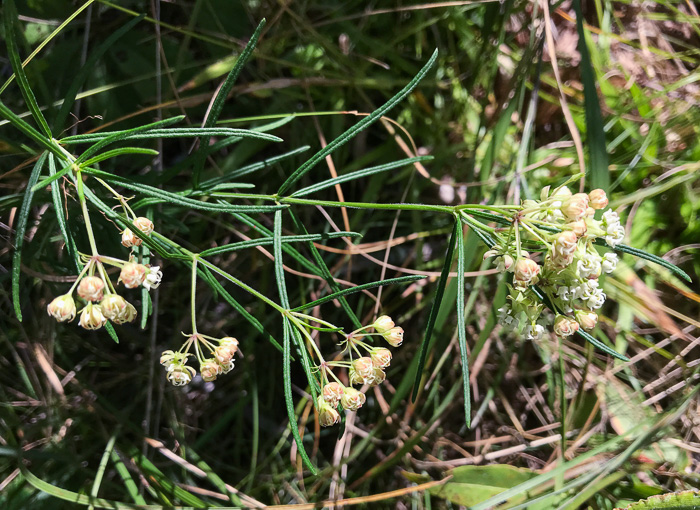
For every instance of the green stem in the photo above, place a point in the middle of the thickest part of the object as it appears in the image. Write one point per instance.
(526, 227)
(364, 205)
(301, 328)
(194, 295)
(118, 196)
(86, 215)
(80, 276)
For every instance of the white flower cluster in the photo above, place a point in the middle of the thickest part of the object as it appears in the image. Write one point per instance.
(570, 263)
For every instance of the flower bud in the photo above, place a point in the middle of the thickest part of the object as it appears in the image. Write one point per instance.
(364, 368)
(526, 271)
(90, 288)
(578, 227)
(383, 324)
(209, 369)
(598, 199)
(563, 326)
(504, 263)
(62, 308)
(129, 239)
(133, 275)
(327, 415)
(127, 315)
(587, 320)
(574, 207)
(394, 336)
(91, 317)
(562, 192)
(332, 393)
(144, 225)
(352, 399)
(167, 357)
(153, 277)
(381, 357)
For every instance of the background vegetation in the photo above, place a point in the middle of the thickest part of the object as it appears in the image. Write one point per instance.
(559, 425)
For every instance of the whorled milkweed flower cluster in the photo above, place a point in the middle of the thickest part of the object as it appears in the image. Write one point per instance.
(94, 288)
(219, 360)
(564, 264)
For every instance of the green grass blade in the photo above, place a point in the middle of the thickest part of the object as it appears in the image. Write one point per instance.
(461, 322)
(350, 133)
(9, 18)
(595, 133)
(358, 288)
(358, 174)
(221, 96)
(439, 292)
(21, 229)
(600, 345)
(86, 69)
(289, 401)
(101, 468)
(129, 483)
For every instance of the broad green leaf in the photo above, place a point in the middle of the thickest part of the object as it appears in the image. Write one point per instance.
(474, 484)
(21, 228)
(350, 133)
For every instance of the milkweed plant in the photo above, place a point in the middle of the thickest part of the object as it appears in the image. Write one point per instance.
(552, 251)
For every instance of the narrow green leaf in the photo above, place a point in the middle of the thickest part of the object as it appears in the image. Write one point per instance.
(248, 169)
(623, 248)
(461, 322)
(595, 134)
(53, 177)
(358, 174)
(123, 135)
(131, 134)
(119, 152)
(600, 345)
(28, 130)
(88, 68)
(269, 240)
(21, 229)
(129, 483)
(9, 18)
(240, 309)
(289, 401)
(173, 198)
(222, 94)
(112, 332)
(359, 288)
(439, 292)
(350, 133)
(61, 217)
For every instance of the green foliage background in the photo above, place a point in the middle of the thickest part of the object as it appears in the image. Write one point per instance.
(77, 407)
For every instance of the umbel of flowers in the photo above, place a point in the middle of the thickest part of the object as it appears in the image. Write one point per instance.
(96, 293)
(567, 265)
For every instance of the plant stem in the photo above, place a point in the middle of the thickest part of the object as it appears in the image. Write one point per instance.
(364, 205)
(194, 295)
